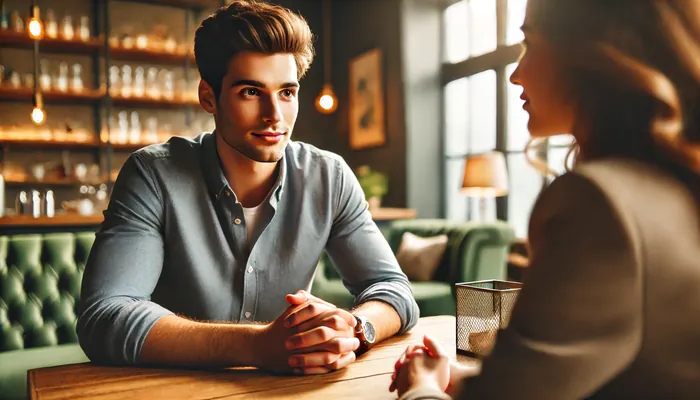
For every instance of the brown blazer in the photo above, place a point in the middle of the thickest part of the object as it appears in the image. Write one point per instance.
(610, 308)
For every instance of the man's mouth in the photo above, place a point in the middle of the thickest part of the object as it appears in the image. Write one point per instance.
(269, 136)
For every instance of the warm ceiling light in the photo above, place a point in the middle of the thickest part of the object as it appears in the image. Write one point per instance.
(35, 28)
(327, 101)
(38, 113)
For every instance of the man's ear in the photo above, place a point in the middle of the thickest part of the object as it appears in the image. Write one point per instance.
(207, 99)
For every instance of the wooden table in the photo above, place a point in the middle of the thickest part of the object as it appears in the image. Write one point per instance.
(366, 378)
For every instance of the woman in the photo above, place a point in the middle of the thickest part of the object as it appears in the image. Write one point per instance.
(610, 306)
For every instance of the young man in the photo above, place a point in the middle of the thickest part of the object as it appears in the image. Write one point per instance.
(224, 227)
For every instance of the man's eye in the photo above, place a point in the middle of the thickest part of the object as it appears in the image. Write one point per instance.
(288, 93)
(251, 92)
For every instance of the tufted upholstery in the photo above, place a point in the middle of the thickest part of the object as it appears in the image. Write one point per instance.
(40, 277)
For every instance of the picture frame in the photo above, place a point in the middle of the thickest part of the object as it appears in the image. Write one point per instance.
(366, 101)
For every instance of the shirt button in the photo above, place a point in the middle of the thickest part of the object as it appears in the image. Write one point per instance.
(228, 194)
(237, 221)
(247, 314)
(250, 269)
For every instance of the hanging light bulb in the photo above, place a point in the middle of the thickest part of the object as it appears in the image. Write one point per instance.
(35, 27)
(38, 113)
(326, 101)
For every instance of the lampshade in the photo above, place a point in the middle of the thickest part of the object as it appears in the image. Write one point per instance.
(485, 175)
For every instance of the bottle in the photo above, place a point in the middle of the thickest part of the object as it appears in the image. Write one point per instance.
(51, 24)
(36, 204)
(49, 208)
(21, 203)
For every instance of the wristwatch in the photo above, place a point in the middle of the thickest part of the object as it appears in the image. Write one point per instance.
(364, 331)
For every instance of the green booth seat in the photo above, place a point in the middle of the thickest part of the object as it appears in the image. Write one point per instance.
(40, 278)
(475, 251)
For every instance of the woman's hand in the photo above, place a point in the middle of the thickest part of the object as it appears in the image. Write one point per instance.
(422, 366)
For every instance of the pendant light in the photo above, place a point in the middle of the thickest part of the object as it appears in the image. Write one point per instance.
(327, 101)
(35, 30)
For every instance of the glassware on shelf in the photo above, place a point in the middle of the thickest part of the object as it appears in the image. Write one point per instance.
(67, 28)
(29, 80)
(123, 133)
(128, 41)
(151, 135)
(77, 81)
(16, 21)
(135, 128)
(168, 84)
(152, 89)
(44, 75)
(15, 80)
(139, 82)
(126, 81)
(170, 44)
(84, 29)
(114, 88)
(4, 21)
(2, 75)
(166, 133)
(62, 84)
(114, 41)
(51, 24)
(142, 41)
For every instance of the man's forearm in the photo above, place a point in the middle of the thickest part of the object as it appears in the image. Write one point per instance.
(383, 317)
(177, 341)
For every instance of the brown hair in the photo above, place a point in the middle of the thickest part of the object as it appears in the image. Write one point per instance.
(250, 25)
(633, 69)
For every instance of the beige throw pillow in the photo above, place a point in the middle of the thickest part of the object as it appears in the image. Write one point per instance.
(419, 257)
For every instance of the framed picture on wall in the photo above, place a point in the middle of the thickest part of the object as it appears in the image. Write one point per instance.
(366, 98)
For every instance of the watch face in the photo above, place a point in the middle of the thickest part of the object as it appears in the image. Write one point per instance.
(370, 335)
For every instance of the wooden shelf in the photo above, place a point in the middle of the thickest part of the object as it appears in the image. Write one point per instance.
(25, 94)
(9, 38)
(45, 182)
(150, 56)
(48, 143)
(128, 146)
(147, 102)
(63, 219)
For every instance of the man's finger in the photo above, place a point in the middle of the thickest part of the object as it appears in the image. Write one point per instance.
(336, 318)
(307, 311)
(302, 296)
(311, 338)
(338, 345)
(342, 362)
(317, 359)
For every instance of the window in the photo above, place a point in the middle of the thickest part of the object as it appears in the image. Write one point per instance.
(483, 110)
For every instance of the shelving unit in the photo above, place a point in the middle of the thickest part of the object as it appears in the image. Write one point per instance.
(96, 95)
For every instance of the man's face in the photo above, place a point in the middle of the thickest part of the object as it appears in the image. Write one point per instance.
(258, 105)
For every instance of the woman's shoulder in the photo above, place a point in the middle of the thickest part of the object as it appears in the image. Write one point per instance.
(630, 192)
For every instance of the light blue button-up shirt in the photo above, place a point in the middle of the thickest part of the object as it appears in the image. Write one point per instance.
(174, 241)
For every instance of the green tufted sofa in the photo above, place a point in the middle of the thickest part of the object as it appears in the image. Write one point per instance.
(40, 277)
(475, 251)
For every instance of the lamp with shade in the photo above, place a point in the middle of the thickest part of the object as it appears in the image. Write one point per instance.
(485, 176)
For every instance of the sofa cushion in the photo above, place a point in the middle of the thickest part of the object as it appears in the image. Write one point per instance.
(434, 298)
(419, 257)
(15, 364)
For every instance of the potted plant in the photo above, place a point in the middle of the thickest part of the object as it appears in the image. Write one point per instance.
(374, 184)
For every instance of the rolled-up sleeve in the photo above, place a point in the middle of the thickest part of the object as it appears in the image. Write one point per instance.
(125, 263)
(361, 254)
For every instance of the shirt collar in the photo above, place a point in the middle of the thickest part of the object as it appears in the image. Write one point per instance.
(214, 172)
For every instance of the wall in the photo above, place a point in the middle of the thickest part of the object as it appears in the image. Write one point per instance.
(357, 26)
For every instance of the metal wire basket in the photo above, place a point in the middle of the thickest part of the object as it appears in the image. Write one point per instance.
(483, 308)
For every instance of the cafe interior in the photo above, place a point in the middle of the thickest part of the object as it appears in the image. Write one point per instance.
(413, 94)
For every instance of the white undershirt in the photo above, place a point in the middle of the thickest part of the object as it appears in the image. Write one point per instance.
(252, 217)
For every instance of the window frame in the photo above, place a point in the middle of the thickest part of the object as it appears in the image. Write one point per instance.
(497, 60)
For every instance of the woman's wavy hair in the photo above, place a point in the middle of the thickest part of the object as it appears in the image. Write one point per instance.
(633, 70)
